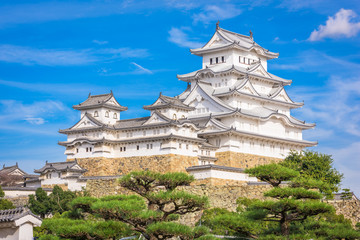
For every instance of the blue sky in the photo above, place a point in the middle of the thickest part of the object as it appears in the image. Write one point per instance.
(53, 53)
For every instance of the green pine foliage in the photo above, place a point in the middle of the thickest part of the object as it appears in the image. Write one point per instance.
(151, 212)
(5, 203)
(57, 202)
(293, 208)
(316, 166)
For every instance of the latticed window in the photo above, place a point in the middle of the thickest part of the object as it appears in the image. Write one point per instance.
(107, 114)
(96, 114)
(115, 115)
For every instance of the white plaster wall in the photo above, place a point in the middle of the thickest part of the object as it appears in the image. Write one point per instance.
(34, 184)
(26, 231)
(227, 54)
(101, 115)
(221, 174)
(9, 233)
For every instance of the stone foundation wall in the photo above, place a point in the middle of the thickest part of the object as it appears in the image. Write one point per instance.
(349, 208)
(118, 166)
(243, 160)
(221, 196)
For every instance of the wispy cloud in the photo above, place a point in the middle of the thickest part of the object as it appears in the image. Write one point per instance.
(180, 38)
(56, 57)
(100, 42)
(212, 13)
(46, 57)
(142, 69)
(54, 88)
(317, 61)
(343, 24)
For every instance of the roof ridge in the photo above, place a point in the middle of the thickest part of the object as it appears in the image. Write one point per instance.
(241, 35)
(130, 119)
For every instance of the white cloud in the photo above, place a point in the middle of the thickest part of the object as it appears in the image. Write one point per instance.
(343, 24)
(35, 120)
(46, 57)
(180, 38)
(317, 61)
(16, 110)
(142, 69)
(347, 161)
(55, 57)
(100, 42)
(216, 12)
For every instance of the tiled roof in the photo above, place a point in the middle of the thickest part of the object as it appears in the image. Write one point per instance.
(59, 166)
(234, 40)
(213, 166)
(168, 101)
(99, 101)
(10, 215)
(7, 170)
(222, 68)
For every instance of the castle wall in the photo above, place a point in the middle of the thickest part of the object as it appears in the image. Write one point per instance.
(222, 194)
(243, 160)
(118, 166)
(101, 166)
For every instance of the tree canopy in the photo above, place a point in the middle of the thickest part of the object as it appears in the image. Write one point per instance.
(317, 166)
(5, 203)
(152, 212)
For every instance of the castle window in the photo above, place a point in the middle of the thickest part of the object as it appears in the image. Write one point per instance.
(180, 145)
(77, 150)
(96, 114)
(211, 62)
(121, 149)
(174, 117)
(249, 61)
(115, 115)
(244, 60)
(124, 149)
(182, 116)
(90, 149)
(187, 146)
(239, 59)
(137, 147)
(223, 59)
(107, 114)
(87, 149)
(59, 175)
(217, 60)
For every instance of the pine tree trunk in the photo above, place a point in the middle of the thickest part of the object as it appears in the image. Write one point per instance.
(284, 227)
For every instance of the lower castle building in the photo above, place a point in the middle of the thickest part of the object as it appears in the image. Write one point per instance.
(233, 114)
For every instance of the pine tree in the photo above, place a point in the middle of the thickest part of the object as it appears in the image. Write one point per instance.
(294, 202)
(152, 212)
(5, 203)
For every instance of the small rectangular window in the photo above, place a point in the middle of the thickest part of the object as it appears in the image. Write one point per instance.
(249, 61)
(223, 59)
(137, 147)
(239, 59)
(244, 59)
(217, 60)
(211, 61)
(180, 145)
(124, 149)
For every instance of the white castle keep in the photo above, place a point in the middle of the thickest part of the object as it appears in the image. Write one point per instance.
(232, 104)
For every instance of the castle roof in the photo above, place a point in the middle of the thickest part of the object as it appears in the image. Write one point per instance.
(224, 39)
(302, 143)
(12, 170)
(11, 215)
(223, 68)
(133, 139)
(72, 166)
(104, 100)
(165, 102)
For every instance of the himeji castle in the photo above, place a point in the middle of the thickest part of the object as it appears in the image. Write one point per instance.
(233, 114)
